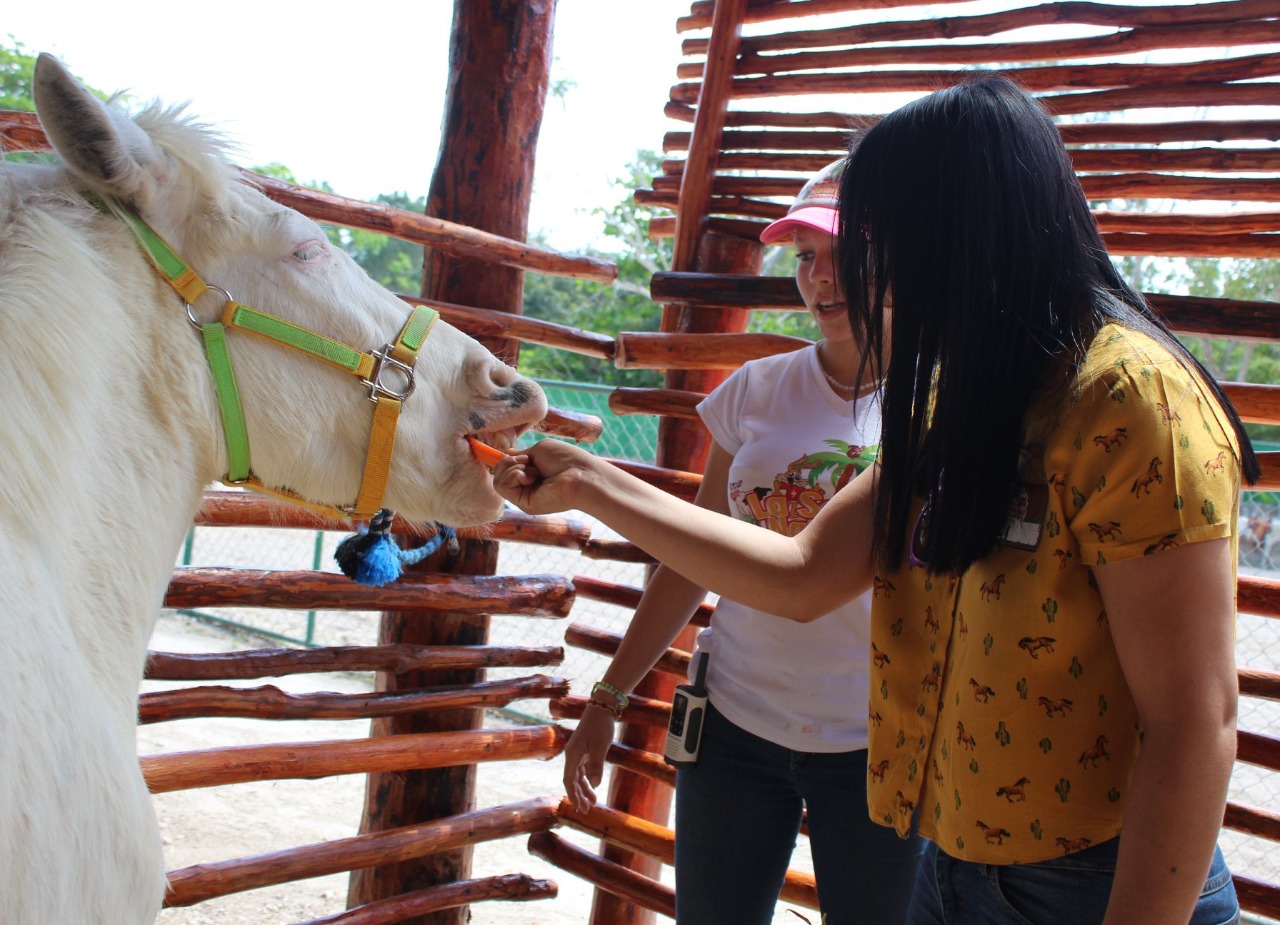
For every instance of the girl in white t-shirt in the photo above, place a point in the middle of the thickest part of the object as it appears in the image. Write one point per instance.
(787, 725)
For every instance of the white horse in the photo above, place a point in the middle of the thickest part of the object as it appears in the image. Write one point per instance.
(111, 430)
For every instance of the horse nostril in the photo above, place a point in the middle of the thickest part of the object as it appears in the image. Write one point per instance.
(516, 395)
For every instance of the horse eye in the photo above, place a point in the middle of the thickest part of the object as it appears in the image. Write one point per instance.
(309, 251)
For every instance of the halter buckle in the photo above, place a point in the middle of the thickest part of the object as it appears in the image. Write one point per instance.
(402, 383)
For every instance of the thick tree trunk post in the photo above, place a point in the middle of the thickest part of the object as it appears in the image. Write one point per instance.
(682, 444)
(499, 63)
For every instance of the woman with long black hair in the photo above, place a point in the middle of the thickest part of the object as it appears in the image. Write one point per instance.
(1048, 536)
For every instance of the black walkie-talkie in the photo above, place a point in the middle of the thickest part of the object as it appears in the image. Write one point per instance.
(688, 710)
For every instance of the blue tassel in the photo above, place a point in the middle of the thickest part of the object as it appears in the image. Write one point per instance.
(372, 557)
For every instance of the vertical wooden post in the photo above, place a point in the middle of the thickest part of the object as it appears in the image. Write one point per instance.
(685, 444)
(499, 67)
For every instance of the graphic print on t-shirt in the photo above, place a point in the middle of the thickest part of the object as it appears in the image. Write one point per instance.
(797, 494)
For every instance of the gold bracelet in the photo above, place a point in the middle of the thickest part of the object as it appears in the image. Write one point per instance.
(613, 711)
(621, 699)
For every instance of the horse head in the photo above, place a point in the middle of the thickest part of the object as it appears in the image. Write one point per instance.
(307, 422)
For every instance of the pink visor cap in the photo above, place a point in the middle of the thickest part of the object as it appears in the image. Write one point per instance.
(815, 207)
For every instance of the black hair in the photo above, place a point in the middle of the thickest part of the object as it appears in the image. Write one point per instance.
(964, 207)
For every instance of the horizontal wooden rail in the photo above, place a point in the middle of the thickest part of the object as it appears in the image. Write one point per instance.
(1255, 402)
(622, 829)
(803, 164)
(1189, 244)
(928, 79)
(745, 196)
(642, 350)
(1254, 682)
(606, 642)
(1260, 823)
(828, 133)
(436, 233)
(616, 551)
(1084, 159)
(1186, 314)
(607, 592)
(952, 27)
(641, 836)
(720, 290)
(271, 703)
(672, 403)
(1257, 897)
(1226, 160)
(396, 658)
(1259, 596)
(1218, 317)
(397, 909)
(608, 876)
(1036, 78)
(1168, 186)
(641, 711)
(673, 481)
(701, 11)
(485, 322)
(1161, 96)
(234, 508)
(21, 131)
(308, 760)
(526, 595)
(1261, 750)
(641, 762)
(202, 882)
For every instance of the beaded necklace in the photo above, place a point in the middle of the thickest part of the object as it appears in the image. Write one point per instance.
(845, 392)
(840, 388)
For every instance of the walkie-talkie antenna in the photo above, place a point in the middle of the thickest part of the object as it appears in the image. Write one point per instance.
(699, 682)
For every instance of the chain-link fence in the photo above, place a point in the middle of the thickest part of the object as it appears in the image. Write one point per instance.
(634, 438)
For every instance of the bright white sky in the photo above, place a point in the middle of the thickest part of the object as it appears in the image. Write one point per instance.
(356, 99)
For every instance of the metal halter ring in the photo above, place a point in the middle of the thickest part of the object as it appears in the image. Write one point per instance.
(191, 316)
(399, 382)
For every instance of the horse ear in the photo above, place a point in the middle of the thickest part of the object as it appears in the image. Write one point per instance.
(99, 143)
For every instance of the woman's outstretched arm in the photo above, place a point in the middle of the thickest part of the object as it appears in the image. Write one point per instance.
(801, 577)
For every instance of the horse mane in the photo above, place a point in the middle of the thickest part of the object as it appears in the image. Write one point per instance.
(200, 154)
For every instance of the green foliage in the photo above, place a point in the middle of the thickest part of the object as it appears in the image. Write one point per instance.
(16, 72)
(394, 263)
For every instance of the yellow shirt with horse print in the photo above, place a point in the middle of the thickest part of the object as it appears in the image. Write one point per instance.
(999, 713)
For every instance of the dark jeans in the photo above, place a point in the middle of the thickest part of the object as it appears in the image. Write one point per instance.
(1071, 890)
(737, 816)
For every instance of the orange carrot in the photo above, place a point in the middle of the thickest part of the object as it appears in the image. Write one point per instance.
(485, 453)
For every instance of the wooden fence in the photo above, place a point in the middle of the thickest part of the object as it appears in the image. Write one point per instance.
(734, 169)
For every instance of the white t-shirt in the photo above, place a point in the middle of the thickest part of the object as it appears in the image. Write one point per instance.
(803, 686)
